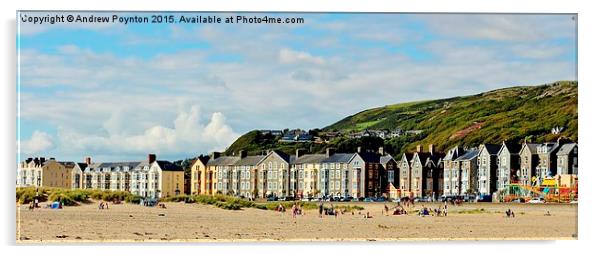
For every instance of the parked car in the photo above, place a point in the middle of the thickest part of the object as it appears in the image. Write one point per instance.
(346, 199)
(536, 201)
(381, 199)
(368, 199)
(272, 198)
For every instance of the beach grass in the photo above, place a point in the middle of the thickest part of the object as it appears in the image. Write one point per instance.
(69, 197)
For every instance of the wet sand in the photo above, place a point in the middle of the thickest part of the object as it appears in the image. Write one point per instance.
(196, 222)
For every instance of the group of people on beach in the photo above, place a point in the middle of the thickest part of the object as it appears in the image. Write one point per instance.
(103, 205)
(296, 209)
(424, 211)
(34, 204)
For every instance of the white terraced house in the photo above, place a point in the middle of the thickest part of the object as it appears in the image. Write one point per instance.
(150, 178)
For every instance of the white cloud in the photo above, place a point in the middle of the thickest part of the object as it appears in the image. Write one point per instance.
(110, 104)
(290, 56)
(509, 27)
(39, 142)
(187, 136)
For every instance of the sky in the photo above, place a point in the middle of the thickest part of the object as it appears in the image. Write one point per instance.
(118, 92)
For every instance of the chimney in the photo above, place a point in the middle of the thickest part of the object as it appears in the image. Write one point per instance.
(381, 150)
(299, 152)
(242, 154)
(431, 149)
(419, 148)
(330, 151)
(151, 158)
(215, 155)
(88, 160)
(359, 149)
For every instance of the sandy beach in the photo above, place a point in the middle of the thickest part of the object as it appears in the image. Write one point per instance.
(197, 222)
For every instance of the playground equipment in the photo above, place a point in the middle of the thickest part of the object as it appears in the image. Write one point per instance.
(549, 189)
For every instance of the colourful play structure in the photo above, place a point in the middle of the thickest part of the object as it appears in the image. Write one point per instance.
(562, 189)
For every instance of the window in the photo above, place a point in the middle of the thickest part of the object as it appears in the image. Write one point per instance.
(338, 174)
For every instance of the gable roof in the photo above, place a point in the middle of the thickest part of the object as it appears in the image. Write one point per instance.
(511, 147)
(370, 157)
(532, 147)
(168, 166)
(551, 148)
(202, 159)
(282, 155)
(566, 148)
(453, 153)
(339, 158)
(422, 157)
(468, 155)
(311, 158)
(249, 160)
(223, 161)
(384, 159)
(492, 148)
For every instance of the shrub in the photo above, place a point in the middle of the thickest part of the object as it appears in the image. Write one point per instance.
(62, 198)
(28, 194)
(228, 206)
(134, 199)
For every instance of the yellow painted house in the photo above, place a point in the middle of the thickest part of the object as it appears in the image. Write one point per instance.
(199, 176)
(40, 172)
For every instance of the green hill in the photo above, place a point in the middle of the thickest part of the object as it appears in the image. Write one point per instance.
(513, 114)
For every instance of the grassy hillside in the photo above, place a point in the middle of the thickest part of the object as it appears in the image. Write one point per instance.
(512, 114)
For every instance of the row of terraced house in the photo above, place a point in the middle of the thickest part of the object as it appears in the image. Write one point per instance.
(150, 178)
(423, 173)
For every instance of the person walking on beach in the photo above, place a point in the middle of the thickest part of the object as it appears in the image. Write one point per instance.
(294, 209)
(386, 210)
(321, 209)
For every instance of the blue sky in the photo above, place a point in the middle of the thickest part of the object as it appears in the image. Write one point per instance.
(116, 92)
